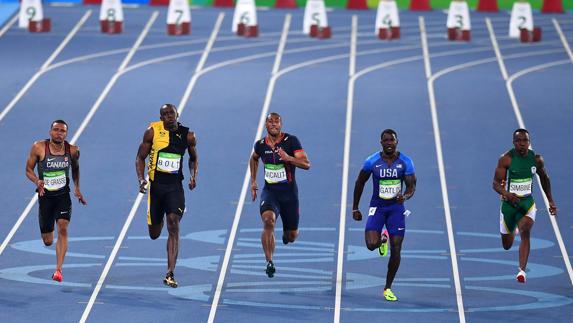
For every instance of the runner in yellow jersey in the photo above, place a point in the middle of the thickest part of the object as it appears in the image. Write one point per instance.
(165, 142)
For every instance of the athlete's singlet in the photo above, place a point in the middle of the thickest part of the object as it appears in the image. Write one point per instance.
(520, 173)
(387, 180)
(166, 156)
(54, 170)
(278, 174)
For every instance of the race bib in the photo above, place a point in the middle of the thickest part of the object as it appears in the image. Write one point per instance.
(55, 180)
(168, 162)
(275, 173)
(389, 188)
(521, 187)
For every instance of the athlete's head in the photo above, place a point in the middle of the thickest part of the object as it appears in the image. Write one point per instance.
(389, 141)
(274, 124)
(58, 131)
(521, 141)
(168, 114)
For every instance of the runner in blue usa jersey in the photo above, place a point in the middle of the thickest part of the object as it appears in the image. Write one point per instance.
(390, 170)
(281, 154)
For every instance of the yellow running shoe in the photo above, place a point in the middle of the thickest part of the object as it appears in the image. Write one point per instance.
(389, 296)
(383, 249)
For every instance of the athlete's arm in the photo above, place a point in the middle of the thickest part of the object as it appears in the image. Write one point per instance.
(193, 159)
(142, 153)
(545, 183)
(254, 166)
(410, 181)
(300, 159)
(75, 152)
(362, 178)
(33, 157)
(499, 178)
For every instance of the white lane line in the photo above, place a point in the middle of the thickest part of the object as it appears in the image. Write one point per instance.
(563, 39)
(427, 66)
(45, 65)
(201, 63)
(9, 24)
(238, 211)
(345, 167)
(496, 49)
(442, 172)
(554, 224)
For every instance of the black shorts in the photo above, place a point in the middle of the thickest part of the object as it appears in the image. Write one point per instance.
(283, 203)
(53, 208)
(164, 199)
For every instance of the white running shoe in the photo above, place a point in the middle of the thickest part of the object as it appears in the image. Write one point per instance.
(521, 276)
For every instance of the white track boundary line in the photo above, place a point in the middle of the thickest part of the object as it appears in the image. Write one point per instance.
(9, 24)
(345, 167)
(44, 66)
(563, 39)
(140, 196)
(442, 172)
(243, 195)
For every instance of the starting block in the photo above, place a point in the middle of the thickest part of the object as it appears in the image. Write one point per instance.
(457, 34)
(178, 30)
(530, 36)
(320, 32)
(387, 20)
(389, 33)
(41, 26)
(247, 31)
(178, 18)
(111, 27)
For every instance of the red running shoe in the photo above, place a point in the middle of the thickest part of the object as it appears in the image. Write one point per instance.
(57, 276)
(520, 276)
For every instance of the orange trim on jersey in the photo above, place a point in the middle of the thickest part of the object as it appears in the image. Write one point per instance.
(296, 151)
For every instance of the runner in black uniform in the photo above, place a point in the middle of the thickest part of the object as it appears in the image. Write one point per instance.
(281, 153)
(165, 142)
(54, 157)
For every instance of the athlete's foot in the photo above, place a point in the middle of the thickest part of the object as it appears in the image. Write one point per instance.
(57, 276)
(170, 280)
(521, 276)
(270, 269)
(389, 296)
(383, 249)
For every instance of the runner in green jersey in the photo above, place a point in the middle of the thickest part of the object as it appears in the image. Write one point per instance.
(513, 180)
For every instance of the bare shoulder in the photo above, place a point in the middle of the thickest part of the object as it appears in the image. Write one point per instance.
(38, 147)
(74, 151)
(505, 159)
(191, 138)
(539, 160)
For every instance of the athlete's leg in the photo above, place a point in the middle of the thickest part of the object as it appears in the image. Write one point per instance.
(62, 243)
(268, 236)
(155, 230)
(289, 236)
(507, 240)
(525, 225)
(48, 238)
(395, 257)
(373, 239)
(172, 240)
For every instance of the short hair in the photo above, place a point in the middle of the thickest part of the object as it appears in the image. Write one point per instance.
(388, 131)
(168, 105)
(60, 121)
(520, 130)
(274, 114)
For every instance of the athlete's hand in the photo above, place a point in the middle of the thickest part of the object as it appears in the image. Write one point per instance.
(40, 187)
(511, 198)
(80, 197)
(357, 215)
(192, 183)
(142, 186)
(552, 208)
(283, 155)
(254, 189)
(400, 198)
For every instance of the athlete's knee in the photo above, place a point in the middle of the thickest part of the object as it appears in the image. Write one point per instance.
(154, 232)
(507, 242)
(371, 246)
(291, 235)
(48, 241)
(269, 220)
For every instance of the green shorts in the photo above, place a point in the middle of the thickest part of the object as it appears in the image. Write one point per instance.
(510, 215)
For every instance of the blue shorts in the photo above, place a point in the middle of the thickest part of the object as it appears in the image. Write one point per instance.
(283, 203)
(391, 216)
